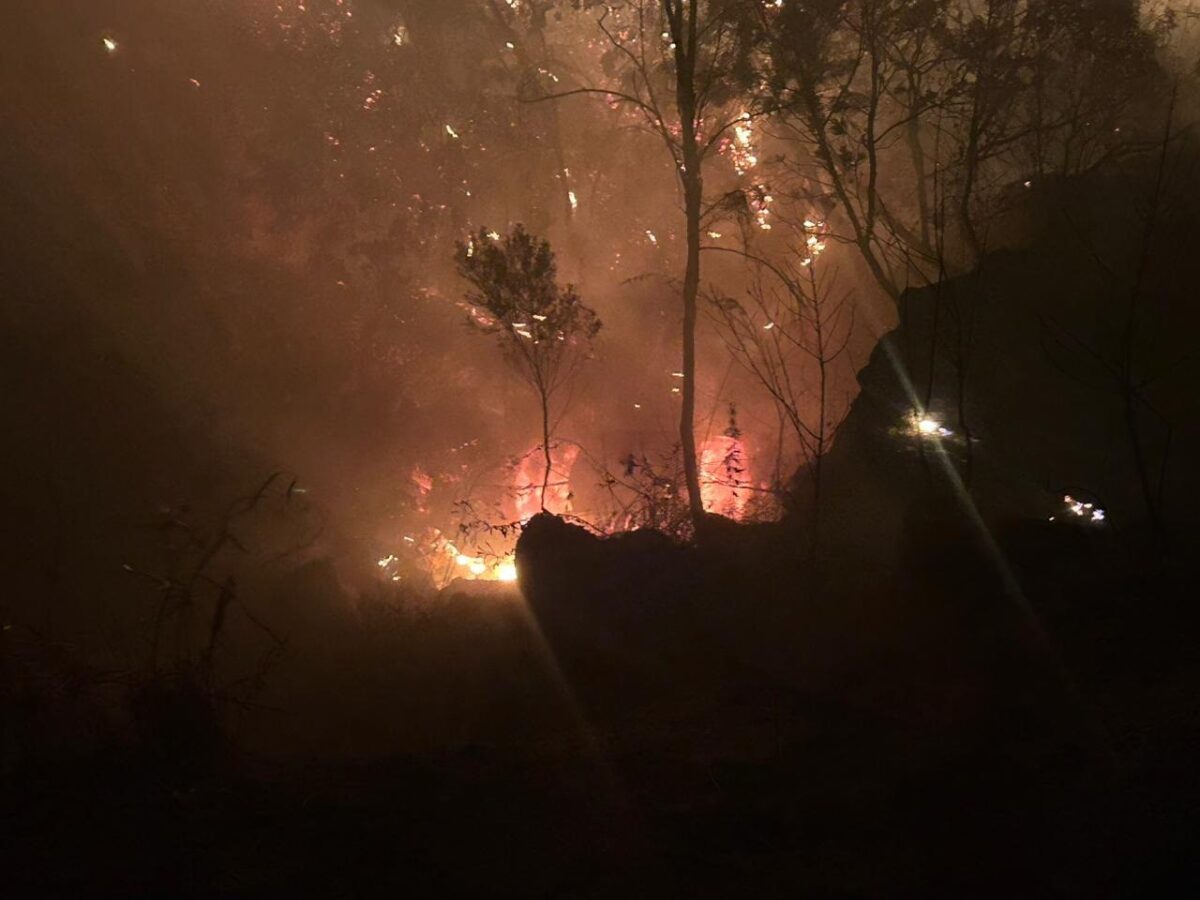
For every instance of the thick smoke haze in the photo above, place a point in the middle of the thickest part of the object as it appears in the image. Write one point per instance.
(352, 540)
(251, 210)
(246, 213)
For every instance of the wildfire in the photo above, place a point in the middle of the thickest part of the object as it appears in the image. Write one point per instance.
(760, 205)
(814, 241)
(444, 561)
(740, 148)
(527, 482)
(724, 485)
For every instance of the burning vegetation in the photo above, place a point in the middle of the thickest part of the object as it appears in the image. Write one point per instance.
(718, 423)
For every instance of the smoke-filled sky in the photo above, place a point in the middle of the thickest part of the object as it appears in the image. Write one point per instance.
(231, 226)
(254, 206)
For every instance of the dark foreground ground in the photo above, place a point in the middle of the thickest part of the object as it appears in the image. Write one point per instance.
(651, 721)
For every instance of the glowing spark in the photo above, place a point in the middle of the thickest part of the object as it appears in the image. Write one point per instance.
(741, 148)
(768, 326)
(110, 44)
(760, 203)
(652, 237)
(714, 234)
(450, 131)
(928, 426)
(574, 200)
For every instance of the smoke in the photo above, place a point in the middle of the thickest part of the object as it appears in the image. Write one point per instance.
(251, 209)
(253, 206)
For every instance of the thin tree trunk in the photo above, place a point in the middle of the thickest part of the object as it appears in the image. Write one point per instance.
(545, 446)
(685, 96)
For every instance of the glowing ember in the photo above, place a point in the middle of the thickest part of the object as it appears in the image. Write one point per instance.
(741, 148)
(110, 44)
(760, 205)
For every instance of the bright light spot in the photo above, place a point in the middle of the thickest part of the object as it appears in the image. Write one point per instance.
(463, 560)
(506, 571)
(574, 200)
(110, 44)
(1089, 512)
(450, 131)
(926, 426)
(477, 567)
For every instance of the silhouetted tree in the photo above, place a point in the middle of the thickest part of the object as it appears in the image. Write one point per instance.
(789, 332)
(544, 329)
(678, 64)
